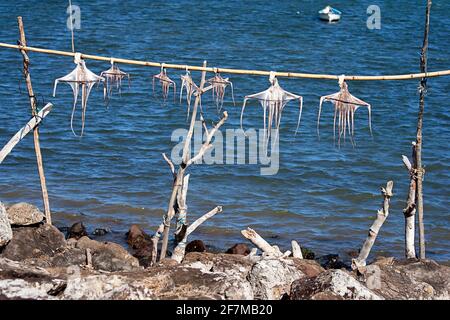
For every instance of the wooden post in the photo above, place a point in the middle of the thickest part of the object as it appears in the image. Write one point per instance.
(420, 170)
(33, 103)
(180, 174)
(375, 228)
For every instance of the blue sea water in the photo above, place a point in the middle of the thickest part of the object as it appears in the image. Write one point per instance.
(324, 197)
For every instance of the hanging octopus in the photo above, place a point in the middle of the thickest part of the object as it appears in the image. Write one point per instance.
(219, 85)
(80, 76)
(191, 87)
(273, 100)
(345, 106)
(165, 82)
(114, 77)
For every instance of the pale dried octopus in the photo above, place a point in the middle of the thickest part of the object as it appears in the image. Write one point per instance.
(165, 82)
(80, 76)
(273, 100)
(219, 85)
(345, 106)
(190, 87)
(113, 81)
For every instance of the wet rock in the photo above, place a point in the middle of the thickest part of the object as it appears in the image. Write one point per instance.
(34, 242)
(24, 214)
(101, 232)
(5, 228)
(308, 254)
(77, 231)
(331, 285)
(240, 248)
(142, 244)
(332, 261)
(108, 256)
(195, 246)
(407, 279)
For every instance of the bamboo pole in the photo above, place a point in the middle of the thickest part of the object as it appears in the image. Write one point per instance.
(33, 103)
(420, 170)
(299, 75)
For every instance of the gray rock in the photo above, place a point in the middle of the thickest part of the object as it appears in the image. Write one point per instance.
(331, 285)
(5, 228)
(24, 214)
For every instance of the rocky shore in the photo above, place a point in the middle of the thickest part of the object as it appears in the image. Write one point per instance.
(38, 261)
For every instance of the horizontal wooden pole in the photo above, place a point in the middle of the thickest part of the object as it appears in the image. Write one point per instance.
(233, 71)
(24, 131)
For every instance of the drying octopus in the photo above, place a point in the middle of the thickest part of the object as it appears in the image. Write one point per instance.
(189, 85)
(165, 82)
(345, 106)
(113, 80)
(219, 85)
(80, 76)
(273, 100)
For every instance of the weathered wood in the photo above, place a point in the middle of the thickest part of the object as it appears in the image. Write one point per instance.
(420, 170)
(180, 173)
(360, 261)
(179, 252)
(24, 131)
(410, 209)
(296, 250)
(259, 242)
(33, 103)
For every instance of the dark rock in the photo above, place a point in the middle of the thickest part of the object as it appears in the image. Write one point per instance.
(137, 238)
(33, 242)
(142, 244)
(77, 230)
(331, 261)
(240, 248)
(101, 232)
(108, 256)
(195, 246)
(308, 254)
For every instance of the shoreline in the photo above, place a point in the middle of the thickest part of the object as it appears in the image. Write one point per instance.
(40, 262)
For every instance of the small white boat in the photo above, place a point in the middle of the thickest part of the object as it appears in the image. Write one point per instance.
(330, 14)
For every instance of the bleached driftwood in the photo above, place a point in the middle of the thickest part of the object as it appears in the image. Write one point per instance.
(259, 242)
(410, 210)
(375, 228)
(179, 252)
(296, 250)
(24, 131)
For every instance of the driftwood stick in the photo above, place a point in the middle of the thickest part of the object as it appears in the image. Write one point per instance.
(376, 226)
(410, 210)
(296, 250)
(259, 242)
(155, 240)
(33, 103)
(170, 163)
(179, 252)
(180, 174)
(207, 144)
(182, 209)
(419, 166)
(24, 131)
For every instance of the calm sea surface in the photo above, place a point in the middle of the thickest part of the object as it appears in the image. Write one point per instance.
(324, 197)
